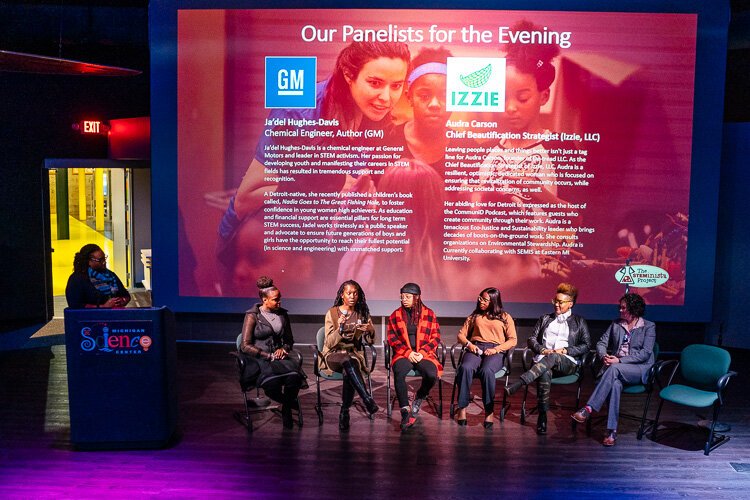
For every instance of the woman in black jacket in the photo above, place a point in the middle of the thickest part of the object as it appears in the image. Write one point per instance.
(267, 340)
(560, 341)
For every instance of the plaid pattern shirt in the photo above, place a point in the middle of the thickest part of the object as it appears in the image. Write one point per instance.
(428, 336)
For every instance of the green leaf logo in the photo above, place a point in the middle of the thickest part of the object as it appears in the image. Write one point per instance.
(477, 78)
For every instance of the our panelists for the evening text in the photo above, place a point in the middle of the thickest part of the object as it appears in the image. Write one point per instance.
(559, 343)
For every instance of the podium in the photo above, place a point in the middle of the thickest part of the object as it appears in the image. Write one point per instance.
(121, 377)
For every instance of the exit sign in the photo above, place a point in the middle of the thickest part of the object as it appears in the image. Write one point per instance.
(91, 127)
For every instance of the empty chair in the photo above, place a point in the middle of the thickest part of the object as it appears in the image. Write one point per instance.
(703, 375)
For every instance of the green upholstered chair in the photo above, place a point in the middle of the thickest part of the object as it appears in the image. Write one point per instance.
(413, 373)
(527, 361)
(321, 375)
(636, 389)
(704, 374)
(457, 356)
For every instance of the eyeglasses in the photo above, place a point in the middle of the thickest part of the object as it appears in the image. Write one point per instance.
(103, 259)
(556, 302)
(482, 299)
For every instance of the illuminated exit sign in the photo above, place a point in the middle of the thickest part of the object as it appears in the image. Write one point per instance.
(91, 127)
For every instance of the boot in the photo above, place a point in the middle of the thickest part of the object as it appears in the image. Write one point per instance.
(355, 379)
(344, 419)
(289, 404)
(286, 416)
(513, 388)
(541, 423)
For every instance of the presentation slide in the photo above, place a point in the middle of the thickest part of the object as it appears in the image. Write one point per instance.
(454, 149)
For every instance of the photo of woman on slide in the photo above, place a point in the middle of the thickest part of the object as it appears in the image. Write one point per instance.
(423, 137)
(367, 81)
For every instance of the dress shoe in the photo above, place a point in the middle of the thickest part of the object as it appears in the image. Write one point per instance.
(581, 415)
(513, 388)
(610, 439)
(416, 405)
(541, 423)
(344, 419)
(407, 420)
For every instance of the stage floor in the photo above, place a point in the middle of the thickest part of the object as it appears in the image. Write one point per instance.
(214, 456)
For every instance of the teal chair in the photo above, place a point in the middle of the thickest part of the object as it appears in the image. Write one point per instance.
(527, 361)
(457, 356)
(704, 374)
(411, 374)
(636, 389)
(321, 375)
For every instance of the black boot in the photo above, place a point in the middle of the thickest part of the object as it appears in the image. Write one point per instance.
(290, 403)
(286, 416)
(344, 419)
(541, 423)
(513, 388)
(355, 379)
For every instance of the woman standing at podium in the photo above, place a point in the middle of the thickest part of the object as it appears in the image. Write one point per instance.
(92, 284)
(267, 340)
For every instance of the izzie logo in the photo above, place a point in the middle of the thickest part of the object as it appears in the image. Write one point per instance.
(290, 82)
(475, 84)
(116, 338)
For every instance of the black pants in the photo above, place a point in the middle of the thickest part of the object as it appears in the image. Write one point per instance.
(284, 389)
(426, 368)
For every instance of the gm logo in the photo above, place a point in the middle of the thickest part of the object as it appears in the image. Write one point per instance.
(475, 84)
(290, 82)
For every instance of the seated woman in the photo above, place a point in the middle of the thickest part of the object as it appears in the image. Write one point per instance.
(414, 335)
(626, 351)
(267, 340)
(92, 284)
(560, 340)
(347, 325)
(487, 334)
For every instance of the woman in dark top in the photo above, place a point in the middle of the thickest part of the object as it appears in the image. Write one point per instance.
(92, 284)
(267, 340)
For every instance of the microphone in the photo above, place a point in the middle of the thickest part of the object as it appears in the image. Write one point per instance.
(341, 326)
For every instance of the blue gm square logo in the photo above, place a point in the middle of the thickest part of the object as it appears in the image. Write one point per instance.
(290, 82)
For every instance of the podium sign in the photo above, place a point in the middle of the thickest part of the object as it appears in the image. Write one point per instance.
(121, 377)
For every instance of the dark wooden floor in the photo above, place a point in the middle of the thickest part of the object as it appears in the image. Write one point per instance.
(214, 456)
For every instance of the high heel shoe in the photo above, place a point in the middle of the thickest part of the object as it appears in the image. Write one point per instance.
(461, 421)
(541, 423)
(488, 424)
(344, 419)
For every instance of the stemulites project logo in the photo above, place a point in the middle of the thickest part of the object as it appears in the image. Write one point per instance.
(476, 84)
(290, 82)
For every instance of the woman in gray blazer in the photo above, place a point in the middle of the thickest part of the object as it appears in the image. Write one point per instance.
(626, 351)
